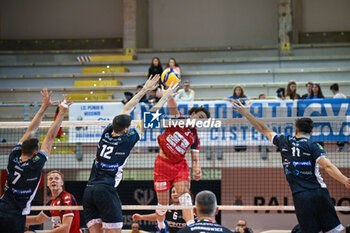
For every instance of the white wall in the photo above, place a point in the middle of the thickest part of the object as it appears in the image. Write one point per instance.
(196, 23)
(60, 19)
(325, 15)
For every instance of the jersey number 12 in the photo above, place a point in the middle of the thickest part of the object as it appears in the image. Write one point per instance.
(106, 150)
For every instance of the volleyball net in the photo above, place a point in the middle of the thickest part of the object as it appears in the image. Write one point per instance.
(239, 164)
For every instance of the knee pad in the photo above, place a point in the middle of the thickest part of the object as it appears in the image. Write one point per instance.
(161, 212)
(185, 199)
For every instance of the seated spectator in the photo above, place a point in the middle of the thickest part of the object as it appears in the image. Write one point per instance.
(206, 209)
(280, 93)
(155, 68)
(238, 94)
(316, 92)
(242, 227)
(185, 94)
(144, 98)
(337, 94)
(308, 86)
(262, 96)
(172, 64)
(291, 91)
(135, 228)
(153, 97)
(128, 95)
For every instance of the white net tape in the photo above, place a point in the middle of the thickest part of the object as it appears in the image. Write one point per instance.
(46, 124)
(154, 207)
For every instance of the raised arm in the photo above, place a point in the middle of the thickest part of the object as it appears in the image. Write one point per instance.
(258, 124)
(196, 166)
(172, 105)
(151, 84)
(334, 172)
(51, 134)
(34, 125)
(166, 94)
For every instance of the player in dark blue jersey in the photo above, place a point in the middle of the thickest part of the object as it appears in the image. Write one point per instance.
(206, 209)
(102, 207)
(24, 168)
(301, 159)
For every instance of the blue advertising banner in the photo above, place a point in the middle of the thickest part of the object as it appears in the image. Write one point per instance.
(339, 130)
(227, 135)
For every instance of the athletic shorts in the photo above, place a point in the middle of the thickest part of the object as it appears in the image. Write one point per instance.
(315, 211)
(167, 173)
(102, 205)
(11, 221)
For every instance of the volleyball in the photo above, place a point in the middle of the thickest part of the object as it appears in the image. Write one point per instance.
(169, 76)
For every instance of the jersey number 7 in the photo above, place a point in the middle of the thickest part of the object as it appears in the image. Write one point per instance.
(17, 175)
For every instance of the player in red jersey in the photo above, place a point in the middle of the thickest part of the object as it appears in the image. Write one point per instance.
(62, 221)
(171, 168)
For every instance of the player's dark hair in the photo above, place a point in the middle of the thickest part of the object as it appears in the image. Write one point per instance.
(29, 146)
(304, 125)
(121, 122)
(199, 109)
(335, 87)
(206, 203)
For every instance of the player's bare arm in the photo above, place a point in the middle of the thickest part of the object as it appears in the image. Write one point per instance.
(172, 105)
(196, 166)
(51, 134)
(151, 84)
(334, 172)
(258, 124)
(147, 217)
(34, 125)
(166, 94)
(37, 219)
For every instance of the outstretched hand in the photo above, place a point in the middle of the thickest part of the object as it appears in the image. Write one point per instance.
(171, 91)
(47, 102)
(64, 104)
(152, 82)
(347, 183)
(240, 108)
